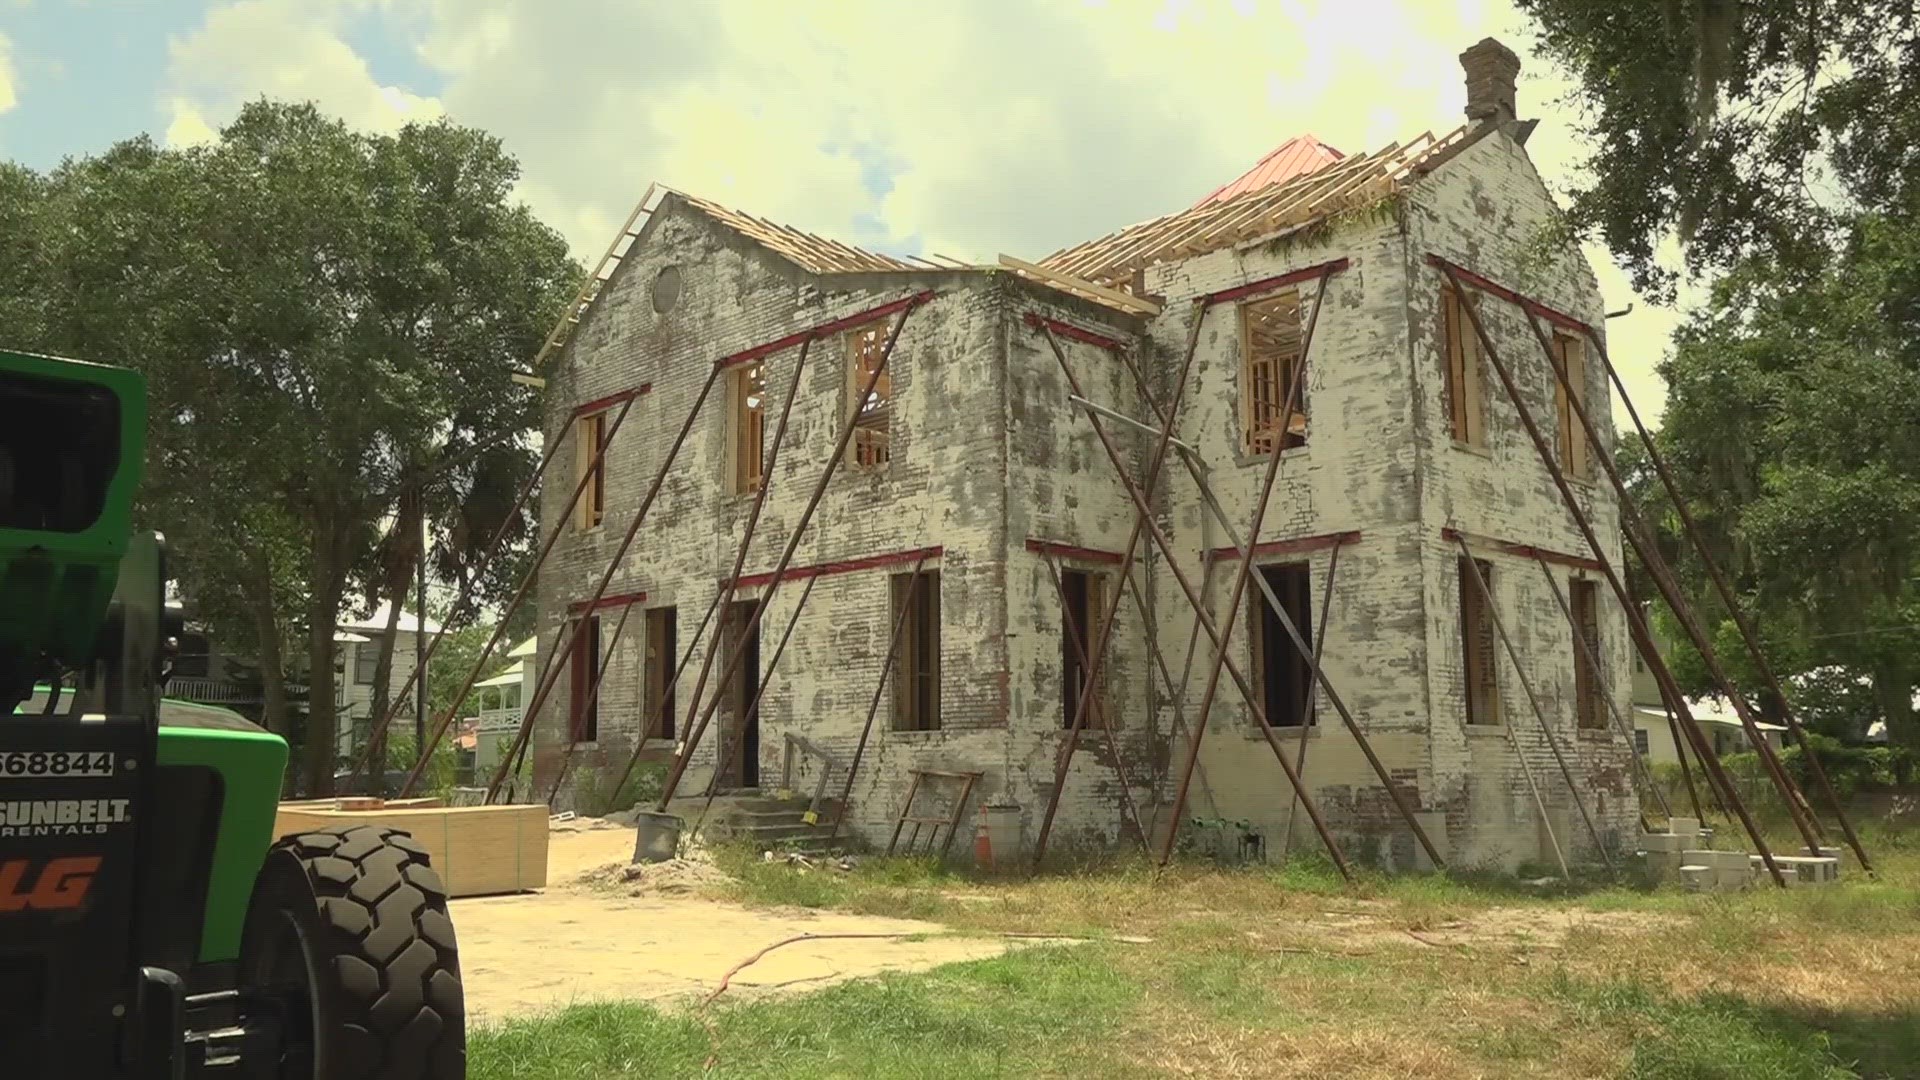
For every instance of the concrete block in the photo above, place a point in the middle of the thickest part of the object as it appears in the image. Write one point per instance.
(1683, 826)
(1697, 878)
(1731, 860)
(1700, 857)
(1665, 842)
(1730, 877)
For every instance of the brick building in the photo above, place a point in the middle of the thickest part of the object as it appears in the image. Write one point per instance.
(971, 462)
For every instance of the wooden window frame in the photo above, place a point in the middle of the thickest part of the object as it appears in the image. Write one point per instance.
(656, 671)
(1072, 673)
(583, 724)
(1464, 370)
(1570, 444)
(366, 662)
(1257, 630)
(1589, 708)
(871, 447)
(1479, 647)
(747, 423)
(1264, 380)
(591, 430)
(916, 665)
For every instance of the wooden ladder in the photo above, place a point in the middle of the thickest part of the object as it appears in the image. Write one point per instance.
(609, 262)
(933, 824)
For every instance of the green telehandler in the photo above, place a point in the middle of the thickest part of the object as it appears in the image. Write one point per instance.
(151, 923)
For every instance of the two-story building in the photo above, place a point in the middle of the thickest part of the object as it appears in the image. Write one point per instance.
(970, 463)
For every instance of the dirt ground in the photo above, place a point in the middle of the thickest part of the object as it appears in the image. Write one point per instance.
(574, 942)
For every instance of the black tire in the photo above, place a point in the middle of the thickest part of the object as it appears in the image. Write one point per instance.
(348, 929)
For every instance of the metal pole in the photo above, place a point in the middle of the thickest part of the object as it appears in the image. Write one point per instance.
(1686, 772)
(686, 657)
(1145, 517)
(1212, 502)
(1307, 711)
(1590, 652)
(526, 490)
(600, 667)
(1106, 722)
(1642, 636)
(513, 604)
(730, 586)
(1740, 621)
(873, 707)
(606, 578)
(1142, 511)
(728, 748)
(786, 557)
(1641, 538)
(1539, 713)
(1166, 677)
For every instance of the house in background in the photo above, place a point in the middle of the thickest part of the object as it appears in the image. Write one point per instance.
(492, 714)
(1653, 738)
(356, 660)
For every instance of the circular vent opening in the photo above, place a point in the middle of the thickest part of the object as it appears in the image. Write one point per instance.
(666, 289)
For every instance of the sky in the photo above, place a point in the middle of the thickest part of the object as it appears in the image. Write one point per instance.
(967, 129)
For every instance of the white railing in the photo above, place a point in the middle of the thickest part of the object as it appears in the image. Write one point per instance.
(222, 692)
(504, 719)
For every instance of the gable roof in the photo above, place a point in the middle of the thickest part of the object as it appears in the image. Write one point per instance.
(1273, 209)
(812, 253)
(1294, 158)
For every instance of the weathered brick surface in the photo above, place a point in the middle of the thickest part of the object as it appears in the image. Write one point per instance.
(988, 453)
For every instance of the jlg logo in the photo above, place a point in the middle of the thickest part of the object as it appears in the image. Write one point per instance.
(61, 885)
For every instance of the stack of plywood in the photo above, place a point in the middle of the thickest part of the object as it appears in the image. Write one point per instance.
(477, 850)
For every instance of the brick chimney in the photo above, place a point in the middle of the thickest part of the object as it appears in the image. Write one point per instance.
(1491, 69)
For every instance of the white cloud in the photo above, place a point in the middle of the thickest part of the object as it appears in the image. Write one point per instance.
(999, 125)
(8, 97)
(282, 49)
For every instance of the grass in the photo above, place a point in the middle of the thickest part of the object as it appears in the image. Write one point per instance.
(1287, 971)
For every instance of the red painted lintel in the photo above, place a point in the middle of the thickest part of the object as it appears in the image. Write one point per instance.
(608, 402)
(619, 600)
(843, 566)
(1288, 547)
(1552, 315)
(1072, 551)
(1292, 277)
(1067, 329)
(824, 329)
(1526, 551)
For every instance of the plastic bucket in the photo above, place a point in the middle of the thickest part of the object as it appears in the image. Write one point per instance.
(656, 836)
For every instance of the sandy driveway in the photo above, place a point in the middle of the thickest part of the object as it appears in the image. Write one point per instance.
(532, 952)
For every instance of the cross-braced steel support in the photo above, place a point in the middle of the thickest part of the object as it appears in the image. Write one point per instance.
(873, 707)
(1643, 637)
(600, 666)
(1307, 708)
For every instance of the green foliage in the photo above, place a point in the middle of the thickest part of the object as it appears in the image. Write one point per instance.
(453, 660)
(649, 779)
(1747, 126)
(440, 774)
(324, 317)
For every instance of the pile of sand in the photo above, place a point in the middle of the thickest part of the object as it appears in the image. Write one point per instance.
(675, 877)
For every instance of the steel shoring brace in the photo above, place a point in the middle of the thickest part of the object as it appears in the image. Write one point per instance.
(786, 556)
(1106, 722)
(731, 747)
(731, 585)
(1740, 621)
(1533, 701)
(593, 697)
(1306, 713)
(1180, 728)
(1641, 537)
(1590, 652)
(613, 565)
(873, 708)
(547, 458)
(648, 732)
(1285, 620)
(1108, 622)
(1158, 536)
(1686, 771)
(513, 604)
(1643, 637)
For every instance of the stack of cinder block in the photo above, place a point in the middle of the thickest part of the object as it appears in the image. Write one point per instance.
(1705, 870)
(1663, 850)
(1821, 869)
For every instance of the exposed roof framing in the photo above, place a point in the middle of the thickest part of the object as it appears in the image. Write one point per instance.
(1342, 185)
(815, 254)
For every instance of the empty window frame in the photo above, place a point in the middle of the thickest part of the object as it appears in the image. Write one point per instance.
(1589, 709)
(1271, 339)
(1282, 676)
(916, 663)
(1465, 372)
(1640, 741)
(583, 715)
(747, 409)
(592, 507)
(1082, 609)
(1571, 357)
(366, 661)
(1480, 645)
(657, 673)
(872, 445)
